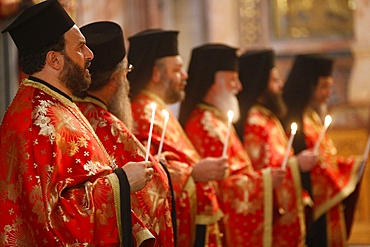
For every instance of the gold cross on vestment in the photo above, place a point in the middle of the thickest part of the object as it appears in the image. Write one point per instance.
(155, 198)
(64, 121)
(11, 155)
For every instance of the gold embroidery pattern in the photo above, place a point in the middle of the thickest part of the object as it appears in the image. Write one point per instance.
(14, 235)
(74, 110)
(57, 124)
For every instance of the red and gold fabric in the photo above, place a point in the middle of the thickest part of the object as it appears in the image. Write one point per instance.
(245, 196)
(332, 180)
(57, 185)
(153, 203)
(196, 203)
(266, 142)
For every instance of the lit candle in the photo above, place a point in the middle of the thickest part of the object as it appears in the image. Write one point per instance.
(326, 125)
(364, 158)
(367, 149)
(166, 115)
(293, 130)
(154, 106)
(230, 116)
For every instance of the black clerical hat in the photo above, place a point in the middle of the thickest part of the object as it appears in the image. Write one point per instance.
(303, 78)
(299, 87)
(145, 48)
(205, 61)
(214, 57)
(39, 26)
(254, 72)
(105, 39)
(315, 64)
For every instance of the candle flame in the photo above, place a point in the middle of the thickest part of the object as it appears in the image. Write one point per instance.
(230, 115)
(153, 105)
(293, 128)
(165, 113)
(327, 120)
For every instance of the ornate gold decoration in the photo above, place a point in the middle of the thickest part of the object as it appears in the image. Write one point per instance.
(250, 22)
(312, 18)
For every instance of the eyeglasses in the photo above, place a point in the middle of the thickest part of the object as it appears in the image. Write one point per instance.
(129, 68)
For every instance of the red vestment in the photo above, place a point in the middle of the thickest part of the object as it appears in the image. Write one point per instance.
(153, 203)
(57, 185)
(332, 180)
(245, 195)
(199, 199)
(266, 144)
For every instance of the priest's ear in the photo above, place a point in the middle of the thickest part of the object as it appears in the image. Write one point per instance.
(54, 60)
(156, 74)
(159, 68)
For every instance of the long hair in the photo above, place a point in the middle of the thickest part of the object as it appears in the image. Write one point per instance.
(254, 74)
(299, 88)
(205, 61)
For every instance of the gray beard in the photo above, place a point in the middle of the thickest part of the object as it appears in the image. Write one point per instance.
(120, 106)
(171, 96)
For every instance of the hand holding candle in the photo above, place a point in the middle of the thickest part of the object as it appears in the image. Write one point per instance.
(230, 116)
(293, 130)
(154, 106)
(166, 116)
(326, 125)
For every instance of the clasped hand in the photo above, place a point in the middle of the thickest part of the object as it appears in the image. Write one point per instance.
(138, 174)
(209, 169)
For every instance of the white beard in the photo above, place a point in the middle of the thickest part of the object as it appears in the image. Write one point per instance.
(226, 101)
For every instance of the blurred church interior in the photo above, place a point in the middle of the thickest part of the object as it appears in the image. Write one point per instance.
(338, 28)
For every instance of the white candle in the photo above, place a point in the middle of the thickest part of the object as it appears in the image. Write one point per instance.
(293, 130)
(166, 116)
(367, 149)
(230, 116)
(154, 106)
(364, 158)
(326, 125)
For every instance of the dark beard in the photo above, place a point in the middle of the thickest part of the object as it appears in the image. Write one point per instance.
(74, 77)
(322, 110)
(275, 103)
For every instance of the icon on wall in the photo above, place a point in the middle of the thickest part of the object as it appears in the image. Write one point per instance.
(312, 18)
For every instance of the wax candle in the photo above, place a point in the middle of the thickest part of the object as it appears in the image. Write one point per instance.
(230, 116)
(165, 115)
(367, 149)
(326, 125)
(364, 158)
(293, 130)
(153, 106)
